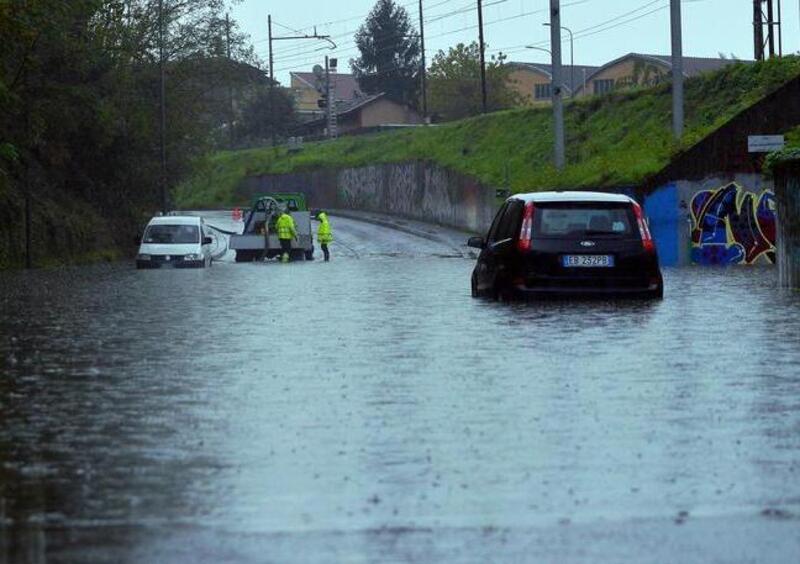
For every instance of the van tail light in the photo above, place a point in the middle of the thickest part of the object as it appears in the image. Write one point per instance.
(647, 239)
(526, 231)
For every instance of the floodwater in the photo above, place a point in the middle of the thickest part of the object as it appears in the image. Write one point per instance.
(368, 410)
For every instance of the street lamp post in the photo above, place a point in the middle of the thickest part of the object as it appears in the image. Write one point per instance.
(558, 89)
(571, 57)
(484, 104)
(677, 69)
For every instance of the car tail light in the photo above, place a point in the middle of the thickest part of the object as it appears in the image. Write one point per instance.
(526, 231)
(647, 239)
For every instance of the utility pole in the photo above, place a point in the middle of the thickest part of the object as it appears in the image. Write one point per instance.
(557, 85)
(571, 57)
(271, 83)
(758, 31)
(232, 115)
(484, 104)
(163, 96)
(677, 69)
(770, 22)
(271, 40)
(330, 95)
(26, 181)
(423, 70)
(328, 105)
(762, 20)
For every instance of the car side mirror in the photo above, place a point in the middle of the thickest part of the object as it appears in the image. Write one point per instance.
(207, 240)
(476, 243)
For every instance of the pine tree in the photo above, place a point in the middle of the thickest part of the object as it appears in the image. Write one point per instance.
(390, 53)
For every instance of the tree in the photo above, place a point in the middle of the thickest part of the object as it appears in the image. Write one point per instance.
(79, 94)
(454, 83)
(259, 120)
(390, 53)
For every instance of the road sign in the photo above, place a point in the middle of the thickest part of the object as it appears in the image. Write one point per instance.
(765, 143)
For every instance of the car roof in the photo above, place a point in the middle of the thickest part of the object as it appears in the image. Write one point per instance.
(573, 196)
(175, 220)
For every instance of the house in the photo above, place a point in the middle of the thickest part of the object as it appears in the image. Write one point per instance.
(307, 90)
(532, 81)
(363, 114)
(637, 70)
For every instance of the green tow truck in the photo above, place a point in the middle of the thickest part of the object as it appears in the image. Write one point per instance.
(259, 238)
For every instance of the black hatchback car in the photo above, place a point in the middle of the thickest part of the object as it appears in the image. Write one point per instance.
(568, 243)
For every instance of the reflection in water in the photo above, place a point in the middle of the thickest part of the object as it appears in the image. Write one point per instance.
(375, 395)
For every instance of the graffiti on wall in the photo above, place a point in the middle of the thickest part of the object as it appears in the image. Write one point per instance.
(733, 226)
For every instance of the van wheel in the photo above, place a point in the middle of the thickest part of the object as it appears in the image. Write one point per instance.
(474, 288)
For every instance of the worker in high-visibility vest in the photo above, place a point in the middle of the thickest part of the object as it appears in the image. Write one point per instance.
(286, 232)
(324, 234)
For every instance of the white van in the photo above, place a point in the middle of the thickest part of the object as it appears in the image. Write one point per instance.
(175, 241)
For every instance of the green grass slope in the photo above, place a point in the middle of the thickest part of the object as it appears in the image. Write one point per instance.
(613, 140)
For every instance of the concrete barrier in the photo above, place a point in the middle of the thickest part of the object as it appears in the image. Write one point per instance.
(723, 219)
(419, 191)
(787, 191)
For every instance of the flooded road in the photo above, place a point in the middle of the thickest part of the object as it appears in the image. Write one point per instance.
(368, 410)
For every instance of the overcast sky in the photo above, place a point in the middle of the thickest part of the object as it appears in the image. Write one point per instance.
(604, 29)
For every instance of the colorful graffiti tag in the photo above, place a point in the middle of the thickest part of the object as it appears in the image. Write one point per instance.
(733, 226)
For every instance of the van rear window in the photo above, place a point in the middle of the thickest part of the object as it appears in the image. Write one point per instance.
(575, 220)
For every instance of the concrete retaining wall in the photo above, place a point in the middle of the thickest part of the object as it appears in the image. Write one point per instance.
(719, 220)
(420, 191)
(787, 190)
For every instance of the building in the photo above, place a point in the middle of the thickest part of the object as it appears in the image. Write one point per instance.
(636, 70)
(533, 80)
(364, 114)
(307, 90)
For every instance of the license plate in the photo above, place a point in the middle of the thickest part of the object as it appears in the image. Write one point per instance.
(587, 261)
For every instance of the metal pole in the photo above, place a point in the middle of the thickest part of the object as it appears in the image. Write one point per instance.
(28, 217)
(758, 31)
(484, 102)
(780, 28)
(328, 104)
(771, 29)
(424, 69)
(571, 57)
(583, 90)
(677, 69)
(232, 115)
(557, 88)
(271, 83)
(571, 63)
(163, 96)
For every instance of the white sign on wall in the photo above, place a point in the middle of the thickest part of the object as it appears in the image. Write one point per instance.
(765, 143)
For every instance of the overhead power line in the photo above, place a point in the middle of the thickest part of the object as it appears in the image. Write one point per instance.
(342, 52)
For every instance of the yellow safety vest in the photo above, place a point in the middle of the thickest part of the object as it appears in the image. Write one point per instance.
(325, 235)
(286, 227)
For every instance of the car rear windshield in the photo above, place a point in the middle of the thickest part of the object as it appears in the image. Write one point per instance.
(570, 220)
(172, 234)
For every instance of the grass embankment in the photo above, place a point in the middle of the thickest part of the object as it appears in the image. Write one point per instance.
(612, 140)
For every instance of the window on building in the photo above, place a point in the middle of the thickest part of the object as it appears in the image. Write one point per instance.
(543, 91)
(603, 86)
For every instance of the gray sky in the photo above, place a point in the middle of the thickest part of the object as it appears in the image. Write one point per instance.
(710, 27)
